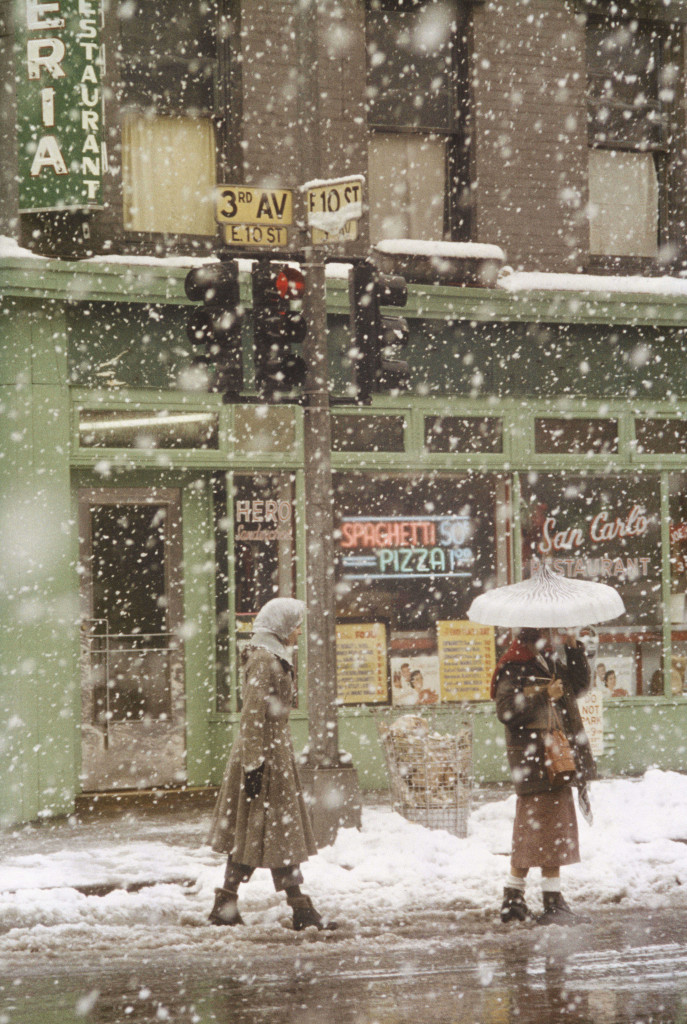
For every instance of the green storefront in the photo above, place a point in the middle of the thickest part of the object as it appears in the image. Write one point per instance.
(144, 522)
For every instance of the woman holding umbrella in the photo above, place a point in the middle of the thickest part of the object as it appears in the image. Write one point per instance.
(529, 680)
(533, 690)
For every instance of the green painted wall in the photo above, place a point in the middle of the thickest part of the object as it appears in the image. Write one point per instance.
(39, 687)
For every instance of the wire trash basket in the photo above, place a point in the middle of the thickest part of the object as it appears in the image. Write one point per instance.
(430, 774)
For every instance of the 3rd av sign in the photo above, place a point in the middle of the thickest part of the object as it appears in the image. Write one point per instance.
(253, 216)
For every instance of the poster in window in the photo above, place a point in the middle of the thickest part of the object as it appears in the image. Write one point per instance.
(362, 675)
(619, 675)
(466, 660)
(415, 680)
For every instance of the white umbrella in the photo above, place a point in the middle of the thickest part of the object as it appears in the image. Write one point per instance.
(547, 600)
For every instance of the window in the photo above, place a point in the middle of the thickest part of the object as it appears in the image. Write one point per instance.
(413, 550)
(168, 173)
(147, 431)
(661, 436)
(463, 434)
(608, 529)
(417, 99)
(262, 564)
(575, 436)
(623, 202)
(167, 90)
(677, 683)
(630, 87)
(368, 433)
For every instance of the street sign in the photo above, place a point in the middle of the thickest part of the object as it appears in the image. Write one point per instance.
(255, 234)
(334, 209)
(242, 204)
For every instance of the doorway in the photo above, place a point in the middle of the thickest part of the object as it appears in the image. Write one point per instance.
(132, 680)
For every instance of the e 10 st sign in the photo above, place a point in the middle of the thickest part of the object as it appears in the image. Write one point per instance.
(59, 104)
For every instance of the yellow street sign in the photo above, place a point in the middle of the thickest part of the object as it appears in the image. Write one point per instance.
(334, 209)
(242, 204)
(255, 234)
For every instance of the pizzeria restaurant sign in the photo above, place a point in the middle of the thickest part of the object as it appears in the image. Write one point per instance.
(403, 547)
(60, 105)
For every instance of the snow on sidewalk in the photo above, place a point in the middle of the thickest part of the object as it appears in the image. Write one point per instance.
(634, 854)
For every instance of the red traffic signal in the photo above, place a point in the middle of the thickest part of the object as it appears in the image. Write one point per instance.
(279, 372)
(290, 283)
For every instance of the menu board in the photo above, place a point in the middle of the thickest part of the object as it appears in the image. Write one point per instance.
(362, 675)
(466, 660)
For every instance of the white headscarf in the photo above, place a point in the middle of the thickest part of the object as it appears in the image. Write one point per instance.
(274, 624)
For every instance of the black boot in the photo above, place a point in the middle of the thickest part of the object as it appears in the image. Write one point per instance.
(514, 907)
(305, 915)
(225, 909)
(557, 911)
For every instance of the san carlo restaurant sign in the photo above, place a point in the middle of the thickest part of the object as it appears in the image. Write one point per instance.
(59, 104)
(404, 547)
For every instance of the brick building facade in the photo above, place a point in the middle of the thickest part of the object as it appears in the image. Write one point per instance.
(290, 92)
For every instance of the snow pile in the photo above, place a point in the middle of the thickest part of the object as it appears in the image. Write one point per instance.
(372, 879)
(440, 250)
(10, 249)
(524, 281)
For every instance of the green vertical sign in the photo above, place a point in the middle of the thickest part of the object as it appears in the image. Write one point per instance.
(60, 104)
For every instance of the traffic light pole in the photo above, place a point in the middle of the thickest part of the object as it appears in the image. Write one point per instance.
(332, 785)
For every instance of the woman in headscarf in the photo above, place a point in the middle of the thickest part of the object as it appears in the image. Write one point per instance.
(528, 682)
(260, 818)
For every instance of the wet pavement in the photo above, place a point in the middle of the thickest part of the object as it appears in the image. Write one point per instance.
(623, 968)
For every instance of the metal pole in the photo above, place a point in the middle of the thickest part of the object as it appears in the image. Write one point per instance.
(319, 524)
(332, 786)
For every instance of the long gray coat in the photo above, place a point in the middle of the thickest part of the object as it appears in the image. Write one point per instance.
(274, 830)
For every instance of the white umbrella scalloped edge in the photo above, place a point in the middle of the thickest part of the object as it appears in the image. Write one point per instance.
(547, 600)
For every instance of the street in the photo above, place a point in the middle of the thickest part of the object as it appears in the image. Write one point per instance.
(462, 969)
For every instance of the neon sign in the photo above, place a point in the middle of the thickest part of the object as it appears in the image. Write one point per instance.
(406, 547)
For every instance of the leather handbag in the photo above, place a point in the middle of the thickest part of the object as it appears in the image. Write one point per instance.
(558, 755)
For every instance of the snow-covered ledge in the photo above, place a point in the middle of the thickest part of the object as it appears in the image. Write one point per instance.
(466, 264)
(528, 281)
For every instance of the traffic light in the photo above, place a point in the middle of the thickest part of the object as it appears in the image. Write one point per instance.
(214, 329)
(277, 325)
(377, 339)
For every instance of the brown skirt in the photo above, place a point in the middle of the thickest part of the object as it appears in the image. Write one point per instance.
(545, 830)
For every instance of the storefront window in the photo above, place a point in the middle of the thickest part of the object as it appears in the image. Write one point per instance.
(575, 436)
(148, 430)
(412, 553)
(464, 434)
(262, 511)
(605, 529)
(368, 433)
(661, 436)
